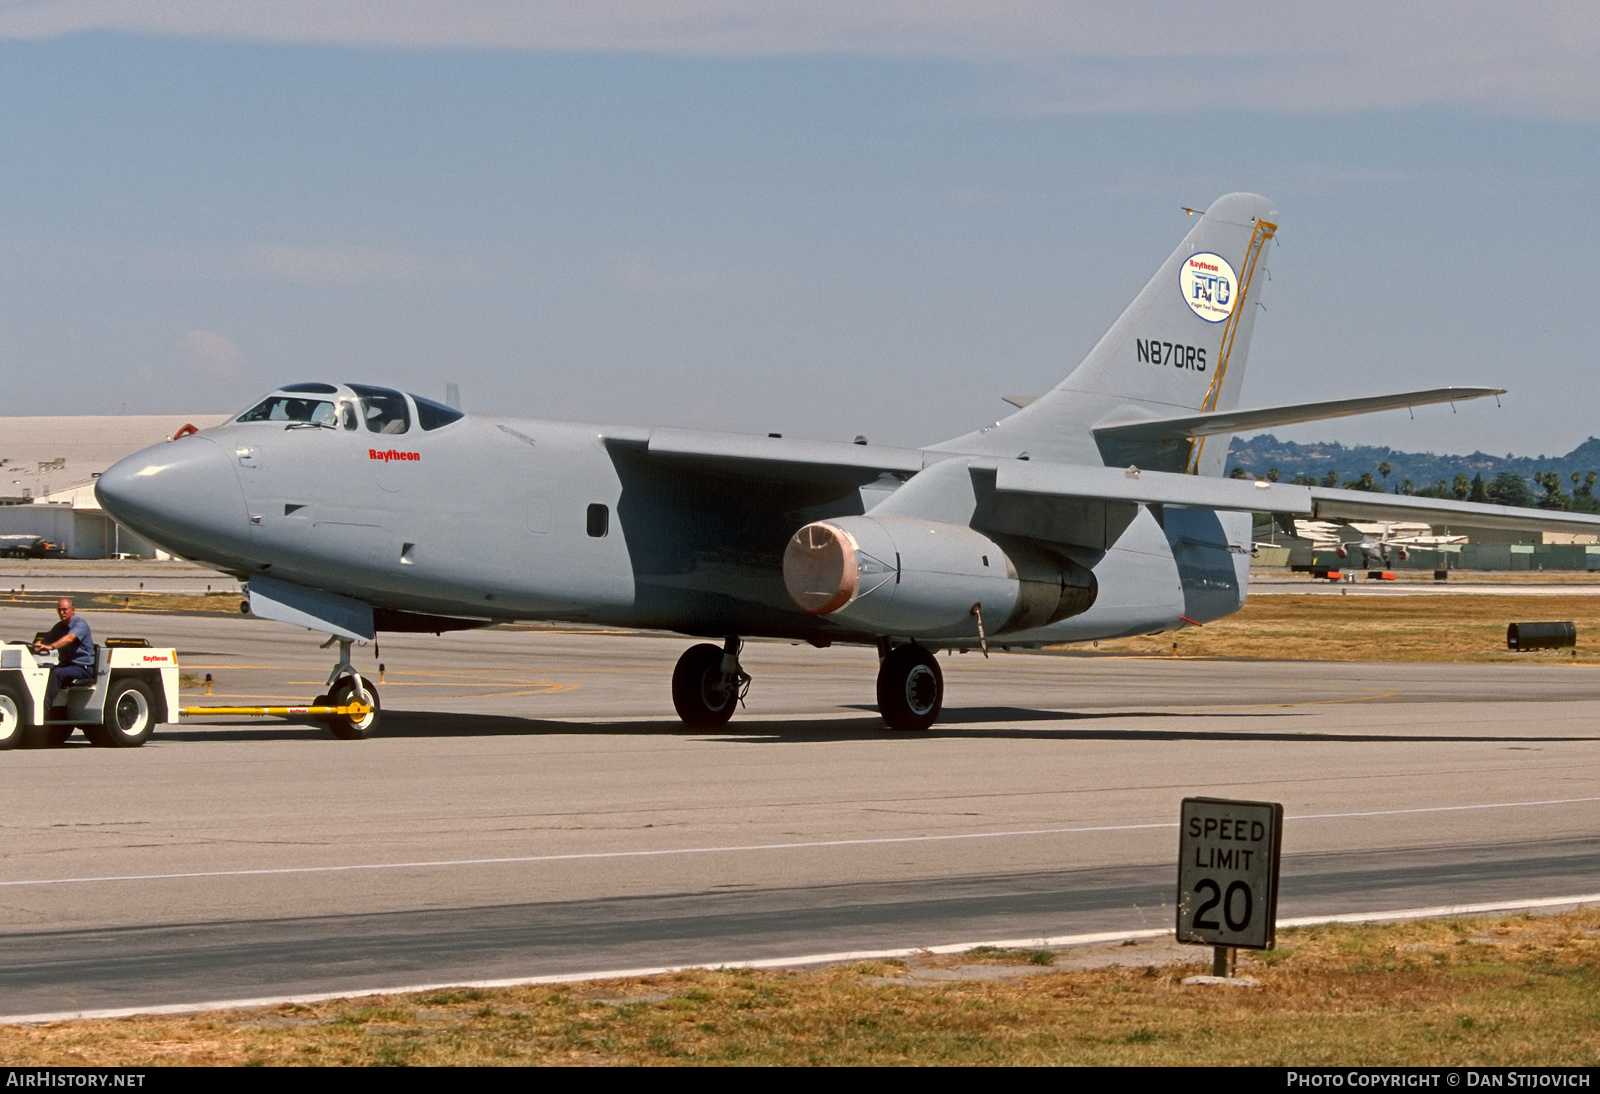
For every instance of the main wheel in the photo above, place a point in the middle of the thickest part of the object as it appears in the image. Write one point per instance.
(129, 719)
(14, 712)
(699, 694)
(346, 690)
(910, 689)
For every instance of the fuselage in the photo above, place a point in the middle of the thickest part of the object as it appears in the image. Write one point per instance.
(493, 519)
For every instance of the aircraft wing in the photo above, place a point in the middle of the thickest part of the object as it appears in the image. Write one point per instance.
(1110, 484)
(1114, 484)
(1332, 503)
(1168, 430)
(774, 458)
(1079, 505)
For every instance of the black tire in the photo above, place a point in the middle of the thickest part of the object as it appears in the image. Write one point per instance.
(910, 689)
(320, 701)
(698, 693)
(129, 716)
(15, 715)
(345, 690)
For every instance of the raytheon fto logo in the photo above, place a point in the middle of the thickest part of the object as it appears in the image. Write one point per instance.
(1209, 286)
(389, 454)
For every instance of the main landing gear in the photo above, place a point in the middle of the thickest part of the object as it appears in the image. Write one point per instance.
(708, 683)
(910, 687)
(346, 687)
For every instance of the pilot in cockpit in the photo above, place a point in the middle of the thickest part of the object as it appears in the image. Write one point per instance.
(378, 409)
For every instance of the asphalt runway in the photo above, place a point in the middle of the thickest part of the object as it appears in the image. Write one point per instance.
(532, 808)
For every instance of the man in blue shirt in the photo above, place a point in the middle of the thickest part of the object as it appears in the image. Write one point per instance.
(75, 652)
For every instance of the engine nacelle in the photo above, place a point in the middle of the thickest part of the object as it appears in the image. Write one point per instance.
(922, 578)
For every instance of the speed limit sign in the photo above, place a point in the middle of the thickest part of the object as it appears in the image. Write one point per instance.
(1228, 872)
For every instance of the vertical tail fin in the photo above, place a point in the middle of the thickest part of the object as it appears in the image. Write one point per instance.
(1181, 346)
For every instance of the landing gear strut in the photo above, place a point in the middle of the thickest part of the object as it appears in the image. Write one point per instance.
(910, 688)
(708, 683)
(347, 686)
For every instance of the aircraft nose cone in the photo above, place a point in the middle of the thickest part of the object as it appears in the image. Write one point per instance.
(183, 495)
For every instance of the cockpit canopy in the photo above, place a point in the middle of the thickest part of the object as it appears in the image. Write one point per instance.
(348, 406)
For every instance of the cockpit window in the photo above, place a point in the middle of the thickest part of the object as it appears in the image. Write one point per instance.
(383, 410)
(432, 415)
(289, 408)
(311, 389)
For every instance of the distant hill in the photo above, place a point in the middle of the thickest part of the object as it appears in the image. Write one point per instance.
(1257, 455)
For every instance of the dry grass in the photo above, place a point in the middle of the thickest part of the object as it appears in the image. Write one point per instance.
(106, 605)
(1460, 627)
(1515, 990)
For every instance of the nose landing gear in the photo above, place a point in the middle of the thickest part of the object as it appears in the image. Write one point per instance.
(347, 688)
(708, 683)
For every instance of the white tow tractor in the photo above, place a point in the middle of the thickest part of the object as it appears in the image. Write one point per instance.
(135, 689)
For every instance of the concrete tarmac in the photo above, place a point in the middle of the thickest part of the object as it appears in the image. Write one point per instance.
(531, 807)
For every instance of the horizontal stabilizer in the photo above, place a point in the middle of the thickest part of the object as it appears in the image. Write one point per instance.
(1332, 503)
(1171, 430)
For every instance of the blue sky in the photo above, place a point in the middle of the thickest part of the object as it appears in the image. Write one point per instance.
(774, 217)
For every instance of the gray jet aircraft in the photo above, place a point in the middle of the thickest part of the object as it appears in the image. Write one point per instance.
(1095, 511)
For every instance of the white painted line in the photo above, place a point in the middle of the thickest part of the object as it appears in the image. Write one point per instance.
(1052, 942)
(589, 855)
(737, 848)
(1442, 911)
(1439, 809)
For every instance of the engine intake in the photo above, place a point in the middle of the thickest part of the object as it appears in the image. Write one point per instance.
(922, 578)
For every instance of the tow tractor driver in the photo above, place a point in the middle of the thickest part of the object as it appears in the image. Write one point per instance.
(75, 656)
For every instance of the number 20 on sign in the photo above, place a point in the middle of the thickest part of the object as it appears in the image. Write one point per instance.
(1228, 872)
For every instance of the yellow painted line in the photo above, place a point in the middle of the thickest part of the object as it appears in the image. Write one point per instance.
(1306, 703)
(540, 689)
(286, 668)
(519, 685)
(536, 629)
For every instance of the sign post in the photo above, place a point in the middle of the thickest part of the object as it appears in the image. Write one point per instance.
(1228, 855)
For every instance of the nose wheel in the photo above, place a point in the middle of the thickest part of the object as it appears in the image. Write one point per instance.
(346, 688)
(346, 691)
(910, 689)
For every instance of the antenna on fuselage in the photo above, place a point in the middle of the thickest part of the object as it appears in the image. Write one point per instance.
(452, 396)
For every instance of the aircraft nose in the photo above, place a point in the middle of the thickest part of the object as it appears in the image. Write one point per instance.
(183, 495)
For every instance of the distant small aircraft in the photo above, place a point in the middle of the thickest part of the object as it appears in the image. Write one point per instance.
(25, 546)
(1095, 511)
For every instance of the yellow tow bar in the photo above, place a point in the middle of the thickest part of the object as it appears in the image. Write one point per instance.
(352, 710)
